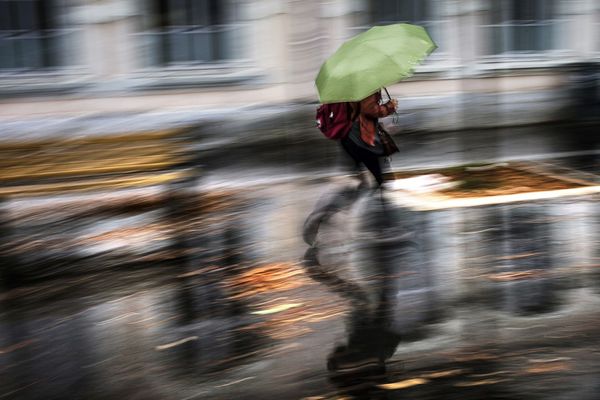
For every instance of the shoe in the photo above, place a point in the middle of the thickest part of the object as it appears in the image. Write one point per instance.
(350, 361)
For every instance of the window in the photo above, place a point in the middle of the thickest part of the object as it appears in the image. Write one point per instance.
(30, 37)
(417, 12)
(521, 26)
(190, 31)
(392, 11)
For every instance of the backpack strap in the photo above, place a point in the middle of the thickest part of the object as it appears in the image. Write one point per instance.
(354, 112)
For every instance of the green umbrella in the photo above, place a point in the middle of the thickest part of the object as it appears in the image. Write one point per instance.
(381, 56)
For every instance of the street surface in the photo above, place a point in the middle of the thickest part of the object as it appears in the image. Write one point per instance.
(497, 302)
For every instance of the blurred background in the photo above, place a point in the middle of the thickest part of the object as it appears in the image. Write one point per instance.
(158, 160)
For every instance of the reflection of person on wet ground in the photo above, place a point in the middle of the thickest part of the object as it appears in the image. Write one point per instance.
(370, 343)
(370, 340)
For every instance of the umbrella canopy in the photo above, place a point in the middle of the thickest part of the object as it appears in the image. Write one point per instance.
(381, 56)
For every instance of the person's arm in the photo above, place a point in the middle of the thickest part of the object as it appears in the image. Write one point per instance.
(370, 107)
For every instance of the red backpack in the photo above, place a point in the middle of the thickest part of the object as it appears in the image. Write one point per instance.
(334, 120)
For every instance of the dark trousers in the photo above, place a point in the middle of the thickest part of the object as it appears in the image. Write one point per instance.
(361, 155)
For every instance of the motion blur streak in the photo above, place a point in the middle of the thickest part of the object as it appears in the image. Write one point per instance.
(161, 173)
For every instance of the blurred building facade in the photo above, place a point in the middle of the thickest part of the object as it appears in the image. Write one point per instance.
(498, 61)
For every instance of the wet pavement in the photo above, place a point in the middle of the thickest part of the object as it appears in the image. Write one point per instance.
(493, 302)
(498, 302)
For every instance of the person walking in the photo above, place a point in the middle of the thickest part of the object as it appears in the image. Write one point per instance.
(349, 84)
(363, 142)
(363, 145)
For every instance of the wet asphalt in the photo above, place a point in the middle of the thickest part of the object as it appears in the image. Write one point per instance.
(497, 302)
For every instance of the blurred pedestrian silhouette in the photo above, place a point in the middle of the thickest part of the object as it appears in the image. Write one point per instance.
(362, 144)
(370, 337)
(369, 342)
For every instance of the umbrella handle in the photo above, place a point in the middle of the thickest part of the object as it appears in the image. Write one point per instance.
(388, 93)
(396, 119)
(389, 98)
